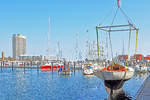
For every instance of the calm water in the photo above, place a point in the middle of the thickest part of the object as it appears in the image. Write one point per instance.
(31, 85)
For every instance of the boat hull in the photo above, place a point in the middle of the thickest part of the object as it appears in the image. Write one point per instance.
(114, 84)
(114, 80)
(65, 72)
(109, 75)
(87, 71)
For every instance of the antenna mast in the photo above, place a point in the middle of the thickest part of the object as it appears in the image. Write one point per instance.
(77, 48)
(48, 37)
(87, 45)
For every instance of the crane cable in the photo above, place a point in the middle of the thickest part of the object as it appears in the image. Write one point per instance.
(129, 20)
(136, 43)
(130, 31)
(110, 35)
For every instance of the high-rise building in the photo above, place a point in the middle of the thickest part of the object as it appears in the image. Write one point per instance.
(18, 45)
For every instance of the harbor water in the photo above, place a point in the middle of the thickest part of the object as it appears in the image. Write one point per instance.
(37, 85)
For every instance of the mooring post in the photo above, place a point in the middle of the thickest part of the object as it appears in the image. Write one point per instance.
(52, 66)
(12, 65)
(52, 69)
(38, 64)
(31, 63)
(23, 66)
(74, 64)
(1, 66)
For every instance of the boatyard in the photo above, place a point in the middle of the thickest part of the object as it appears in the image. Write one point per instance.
(109, 60)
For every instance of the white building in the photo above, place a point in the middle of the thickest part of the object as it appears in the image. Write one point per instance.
(18, 45)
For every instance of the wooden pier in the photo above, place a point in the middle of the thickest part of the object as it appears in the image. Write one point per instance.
(37, 65)
(144, 92)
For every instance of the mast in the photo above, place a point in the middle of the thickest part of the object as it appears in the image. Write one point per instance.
(97, 44)
(123, 49)
(77, 48)
(48, 34)
(87, 45)
(59, 52)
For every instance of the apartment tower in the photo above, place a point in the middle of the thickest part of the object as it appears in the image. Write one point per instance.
(18, 45)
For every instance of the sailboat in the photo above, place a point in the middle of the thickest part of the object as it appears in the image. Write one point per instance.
(141, 68)
(115, 74)
(49, 66)
(87, 69)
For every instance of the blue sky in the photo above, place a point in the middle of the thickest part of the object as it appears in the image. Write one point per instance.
(30, 17)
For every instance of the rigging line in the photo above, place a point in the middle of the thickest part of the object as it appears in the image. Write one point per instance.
(129, 39)
(128, 19)
(107, 44)
(128, 58)
(98, 53)
(136, 41)
(128, 55)
(110, 45)
(123, 78)
(107, 15)
(115, 16)
(110, 35)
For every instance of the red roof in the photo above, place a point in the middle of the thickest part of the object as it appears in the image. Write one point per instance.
(147, 58)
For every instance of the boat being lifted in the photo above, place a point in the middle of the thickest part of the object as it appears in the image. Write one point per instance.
(115, 74)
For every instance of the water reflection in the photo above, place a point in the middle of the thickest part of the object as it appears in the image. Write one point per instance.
(140, 76)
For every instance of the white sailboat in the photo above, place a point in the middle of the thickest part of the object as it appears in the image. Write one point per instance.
(141, 68)
(87, 69)
(115, 74)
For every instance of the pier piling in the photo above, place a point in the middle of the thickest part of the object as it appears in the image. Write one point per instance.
(38, 64)
(3, 63)
(12, 64)
(23, 66)
(74, 64)
(1, 66)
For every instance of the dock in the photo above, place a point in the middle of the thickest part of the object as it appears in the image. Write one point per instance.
(144, 91)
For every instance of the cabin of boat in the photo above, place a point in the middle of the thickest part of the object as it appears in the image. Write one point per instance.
(87, 69)
(115, 67)
(65, 70)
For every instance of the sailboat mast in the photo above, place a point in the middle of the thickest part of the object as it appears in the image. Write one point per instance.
(136, 43)
(77, 48)
(48, 37)
(87, 45)
(97, 45)
(59, 53)
(123, 50)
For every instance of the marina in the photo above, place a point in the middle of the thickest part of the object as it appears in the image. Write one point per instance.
(80, 57)
(51, 85)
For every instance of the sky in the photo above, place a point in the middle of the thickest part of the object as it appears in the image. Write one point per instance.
(67, 17)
